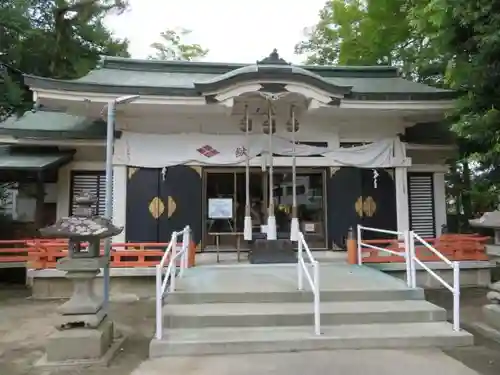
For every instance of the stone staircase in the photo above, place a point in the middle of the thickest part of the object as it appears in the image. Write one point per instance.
(275, 320)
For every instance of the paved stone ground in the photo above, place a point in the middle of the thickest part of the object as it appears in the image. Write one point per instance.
(484, 356)
(25, 324)
(349, 362)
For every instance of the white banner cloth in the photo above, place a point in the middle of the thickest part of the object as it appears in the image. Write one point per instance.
(163, 150)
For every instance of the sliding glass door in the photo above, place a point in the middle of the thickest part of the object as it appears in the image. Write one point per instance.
(227, 186)
(311, 204)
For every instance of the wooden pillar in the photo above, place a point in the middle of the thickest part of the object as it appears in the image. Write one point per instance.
(352, 247)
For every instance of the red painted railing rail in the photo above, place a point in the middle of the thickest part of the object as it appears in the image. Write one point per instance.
(44, 253)
(455, 247)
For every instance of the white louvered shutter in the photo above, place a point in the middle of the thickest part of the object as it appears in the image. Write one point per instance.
(421, 202)
(93, 182)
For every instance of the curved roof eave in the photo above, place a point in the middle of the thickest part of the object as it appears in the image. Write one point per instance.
(43, 83)
(271, 74)
(75, 86)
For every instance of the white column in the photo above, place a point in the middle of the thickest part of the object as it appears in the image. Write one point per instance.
(439, 201)
(402, 209)
(120, 200)
(63, 191)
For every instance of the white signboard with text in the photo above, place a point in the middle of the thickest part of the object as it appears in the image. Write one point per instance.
(220, 208)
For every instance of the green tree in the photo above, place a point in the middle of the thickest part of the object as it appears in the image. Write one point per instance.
(173, 47)
(416, 36)
(373, 32)
(467, 31)
(61, 39)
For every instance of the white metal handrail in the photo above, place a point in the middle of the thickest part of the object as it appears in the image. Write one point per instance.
(172, 255)
(455, 289)
(411, 260)
(404, 253)
(313, 280)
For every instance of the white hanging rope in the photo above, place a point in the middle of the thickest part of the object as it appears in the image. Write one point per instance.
(247, 225)
(294, 225)
(271, 219)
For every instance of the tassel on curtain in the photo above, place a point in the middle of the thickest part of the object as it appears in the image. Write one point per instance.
(247, 224)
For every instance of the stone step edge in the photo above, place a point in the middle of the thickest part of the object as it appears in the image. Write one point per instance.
(299, 308)
(266, 340)
(187, 298)
(382, 330)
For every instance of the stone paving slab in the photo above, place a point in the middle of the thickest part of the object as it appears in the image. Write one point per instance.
(349, 362)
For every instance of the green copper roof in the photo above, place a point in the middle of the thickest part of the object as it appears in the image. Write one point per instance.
(16, 159)
(182, 78)
(53, 125)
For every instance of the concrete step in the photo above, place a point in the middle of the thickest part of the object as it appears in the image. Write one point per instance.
(299, 314)
(286, 339)
(338, 295)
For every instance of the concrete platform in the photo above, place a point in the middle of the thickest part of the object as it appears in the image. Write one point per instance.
(257, 309)
(246, 278)
(278, 283)
(140, 282)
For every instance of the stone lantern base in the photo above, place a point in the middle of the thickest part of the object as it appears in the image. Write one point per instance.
(80, 344)
(85, 334)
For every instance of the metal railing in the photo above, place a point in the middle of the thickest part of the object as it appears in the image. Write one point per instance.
(404, 253)
(168, 279)
(455, 266)
(313, 280)
(411, 260)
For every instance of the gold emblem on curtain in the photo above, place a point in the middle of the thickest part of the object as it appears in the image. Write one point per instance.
(358, 206)
(369, 207)
(156, 207)
(171, 206)
(365, 207)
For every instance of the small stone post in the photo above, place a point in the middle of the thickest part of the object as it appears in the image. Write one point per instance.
(491, 312)
(84, 332)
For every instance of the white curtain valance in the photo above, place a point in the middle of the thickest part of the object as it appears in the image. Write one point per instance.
(163, 150)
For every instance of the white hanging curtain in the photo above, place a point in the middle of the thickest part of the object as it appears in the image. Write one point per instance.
(160, 150)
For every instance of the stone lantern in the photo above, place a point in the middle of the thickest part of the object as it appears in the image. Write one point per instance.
(84, 331)
(491, 312)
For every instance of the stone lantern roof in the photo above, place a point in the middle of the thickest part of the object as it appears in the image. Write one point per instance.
(83, 225)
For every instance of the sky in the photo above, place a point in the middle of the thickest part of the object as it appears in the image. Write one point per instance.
(233, 30)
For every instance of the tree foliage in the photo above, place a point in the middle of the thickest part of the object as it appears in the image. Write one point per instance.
(173, 47)
(61, 39)
(373, 32)
(468, 31)
(447, 43)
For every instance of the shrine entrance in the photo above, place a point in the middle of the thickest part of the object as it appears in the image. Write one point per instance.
(224, 205)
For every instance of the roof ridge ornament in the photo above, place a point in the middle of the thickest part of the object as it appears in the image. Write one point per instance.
(273, 59)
